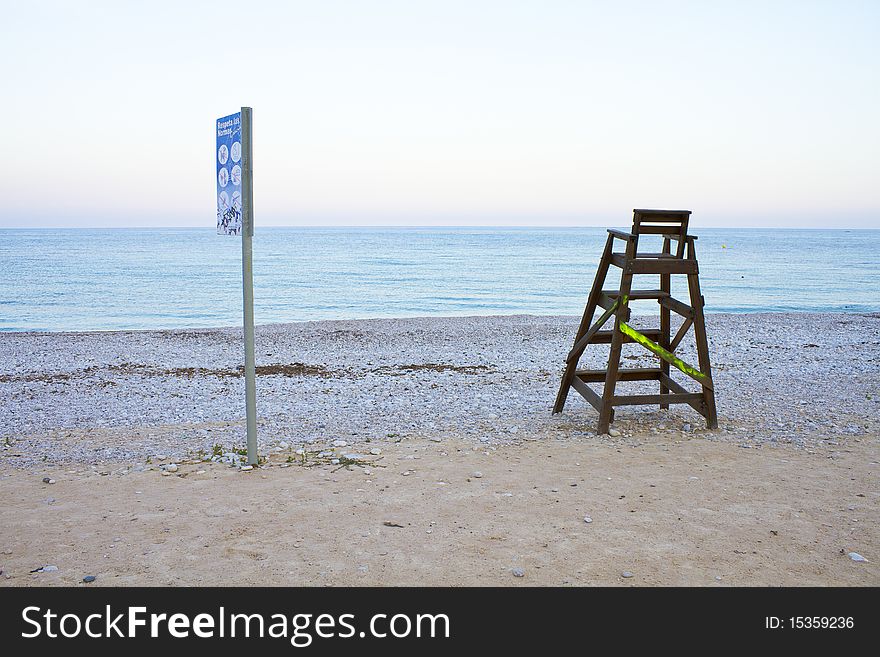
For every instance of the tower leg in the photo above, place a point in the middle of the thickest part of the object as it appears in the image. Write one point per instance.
(622, 315)
(665, 286)
(702, 348)
(586, 321)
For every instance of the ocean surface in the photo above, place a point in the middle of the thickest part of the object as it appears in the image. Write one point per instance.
(106, 279)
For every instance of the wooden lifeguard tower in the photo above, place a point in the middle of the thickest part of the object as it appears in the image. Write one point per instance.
(671, 226)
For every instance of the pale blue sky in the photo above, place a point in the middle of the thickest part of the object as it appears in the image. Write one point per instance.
(479, 112)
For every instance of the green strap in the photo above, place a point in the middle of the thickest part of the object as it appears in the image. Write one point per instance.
(668, 356)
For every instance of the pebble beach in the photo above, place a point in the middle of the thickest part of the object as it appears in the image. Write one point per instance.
(809, 380)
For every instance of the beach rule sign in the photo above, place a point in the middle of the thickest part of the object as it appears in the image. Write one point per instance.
(229, 174)
(233, 156)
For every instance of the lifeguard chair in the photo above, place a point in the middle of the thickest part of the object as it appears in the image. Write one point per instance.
(672, 226)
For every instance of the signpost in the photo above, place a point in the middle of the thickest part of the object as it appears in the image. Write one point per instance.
(235, 216)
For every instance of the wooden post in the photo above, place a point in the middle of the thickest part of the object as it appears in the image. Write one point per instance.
(702, 341)
(665, 286)
(607, 413)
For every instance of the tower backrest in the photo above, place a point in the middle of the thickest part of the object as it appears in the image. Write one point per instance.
(668, 223)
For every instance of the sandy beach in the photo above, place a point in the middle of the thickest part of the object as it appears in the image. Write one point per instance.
(423, 451)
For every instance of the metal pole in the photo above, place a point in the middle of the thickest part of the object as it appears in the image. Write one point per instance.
(247, 278)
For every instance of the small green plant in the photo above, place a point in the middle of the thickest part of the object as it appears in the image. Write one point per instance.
(301, 456)
(217, 450)
(346, 462)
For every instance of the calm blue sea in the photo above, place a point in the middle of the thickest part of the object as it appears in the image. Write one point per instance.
(102, 279)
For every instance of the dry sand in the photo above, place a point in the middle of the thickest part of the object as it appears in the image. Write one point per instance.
(687, 511)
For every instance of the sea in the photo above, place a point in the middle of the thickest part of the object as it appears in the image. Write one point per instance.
(159, 278)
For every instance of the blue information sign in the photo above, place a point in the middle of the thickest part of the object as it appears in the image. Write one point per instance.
(228, 158)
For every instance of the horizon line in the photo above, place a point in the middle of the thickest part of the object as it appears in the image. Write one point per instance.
(417, 226)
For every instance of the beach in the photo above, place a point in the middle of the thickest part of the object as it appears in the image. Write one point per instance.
(423, 451)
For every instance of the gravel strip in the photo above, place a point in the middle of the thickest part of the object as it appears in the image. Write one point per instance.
(102, 397)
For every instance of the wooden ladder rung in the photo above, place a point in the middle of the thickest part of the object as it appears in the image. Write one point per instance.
(604, 337)
(689, 398)
(620, 259)
(628, 374)
(660, 266)
(607, 297)
(638, 294)
(660, 263)
(656, 255)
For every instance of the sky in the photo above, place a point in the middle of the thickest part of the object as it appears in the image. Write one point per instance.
(477, 112)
